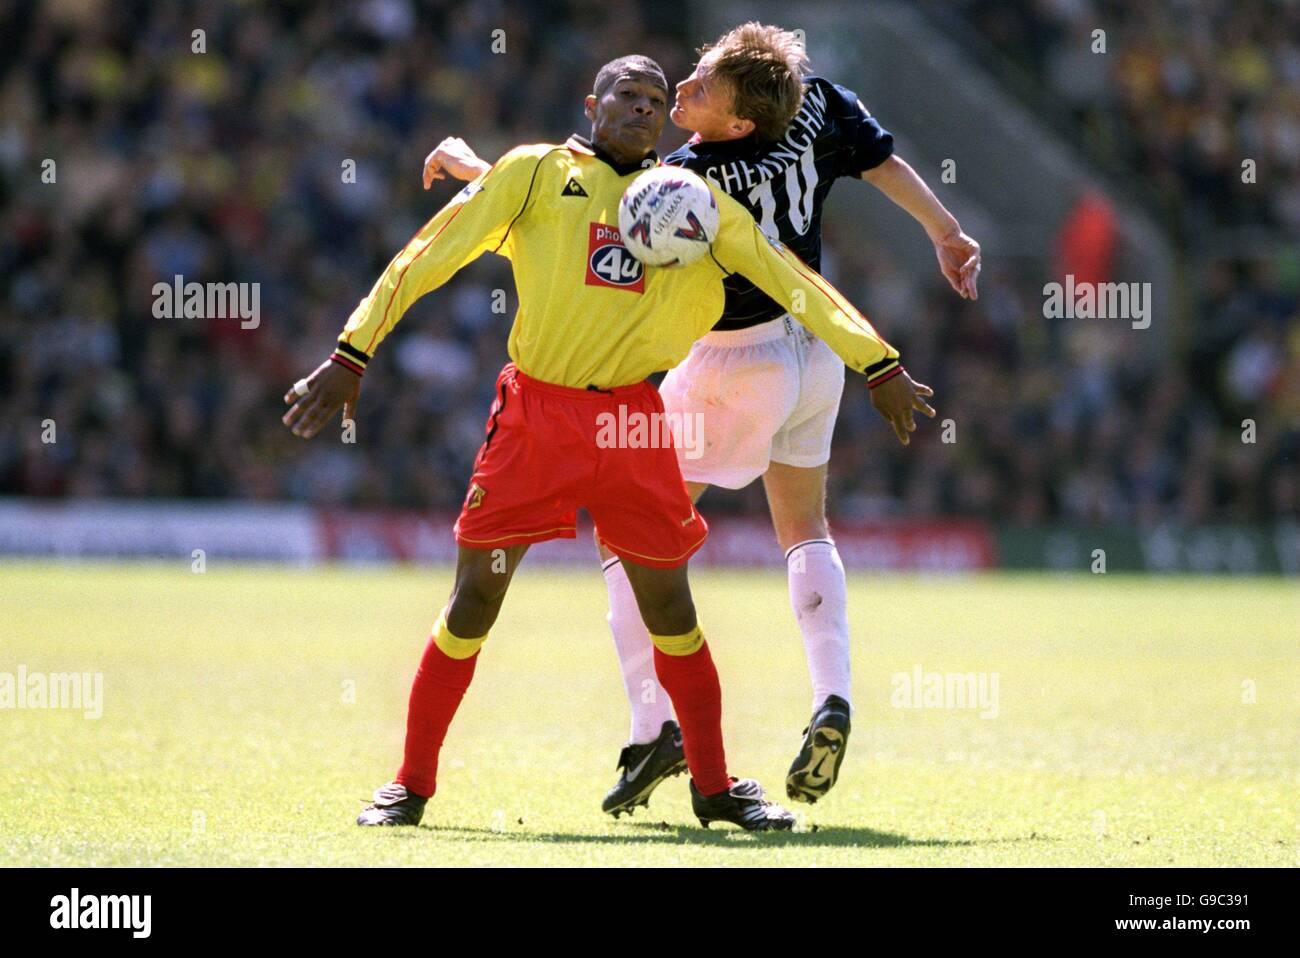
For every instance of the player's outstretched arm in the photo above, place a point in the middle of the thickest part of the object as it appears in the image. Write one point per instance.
(453, 156)
(958, 254)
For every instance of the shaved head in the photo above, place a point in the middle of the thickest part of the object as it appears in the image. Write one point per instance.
(633, 67)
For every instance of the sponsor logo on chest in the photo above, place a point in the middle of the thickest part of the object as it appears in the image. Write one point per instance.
(609, 263)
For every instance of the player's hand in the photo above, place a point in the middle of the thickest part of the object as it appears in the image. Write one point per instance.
(959, 259)
(329, 389)
(896, 398)
(453, 156)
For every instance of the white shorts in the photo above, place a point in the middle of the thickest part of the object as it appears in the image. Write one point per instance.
(750, 397)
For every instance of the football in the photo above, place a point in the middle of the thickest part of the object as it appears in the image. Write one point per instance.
(668, 217)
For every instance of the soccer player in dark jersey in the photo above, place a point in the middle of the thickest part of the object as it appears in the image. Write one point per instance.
(591, 325)
(771, 389)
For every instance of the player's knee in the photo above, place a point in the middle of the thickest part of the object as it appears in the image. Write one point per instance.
(477, 597)
(479, 593)
(663, 597)
(673, 614)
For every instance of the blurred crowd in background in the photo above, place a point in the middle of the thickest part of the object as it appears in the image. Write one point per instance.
(228, 166)
(1187, 90)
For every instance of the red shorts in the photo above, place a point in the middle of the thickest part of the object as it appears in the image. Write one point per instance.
(551, 450)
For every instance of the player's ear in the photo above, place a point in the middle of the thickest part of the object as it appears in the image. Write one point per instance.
(742, 127)
(589, 107)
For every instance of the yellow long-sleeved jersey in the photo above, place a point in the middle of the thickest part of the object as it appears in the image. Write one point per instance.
(589, 313)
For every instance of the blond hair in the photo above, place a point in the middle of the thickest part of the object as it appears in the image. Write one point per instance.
(763, 66)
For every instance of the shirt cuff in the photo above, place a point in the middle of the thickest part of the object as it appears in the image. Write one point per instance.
(882, 371)
(350, 358)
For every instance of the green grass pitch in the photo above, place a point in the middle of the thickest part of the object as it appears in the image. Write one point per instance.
(248, 710)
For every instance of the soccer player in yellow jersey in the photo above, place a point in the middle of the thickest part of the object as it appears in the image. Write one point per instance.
(777, 139)
(592, 324)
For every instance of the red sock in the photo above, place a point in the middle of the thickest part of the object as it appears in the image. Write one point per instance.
(691, 682)
(440, 684)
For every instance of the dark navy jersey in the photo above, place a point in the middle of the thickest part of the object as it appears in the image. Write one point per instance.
(784, 184)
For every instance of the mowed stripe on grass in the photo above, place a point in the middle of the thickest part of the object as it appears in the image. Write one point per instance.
(249, 710)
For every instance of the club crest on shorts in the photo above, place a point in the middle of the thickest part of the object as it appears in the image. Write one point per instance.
(474, 498)
(609, 263)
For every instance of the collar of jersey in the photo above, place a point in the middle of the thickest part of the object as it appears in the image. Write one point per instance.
(581, 144)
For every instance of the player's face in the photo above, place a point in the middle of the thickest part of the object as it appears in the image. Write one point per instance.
(627, 119)
(703, 105)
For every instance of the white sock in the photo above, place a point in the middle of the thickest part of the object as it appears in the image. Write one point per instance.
(819, 597)
(650, 704)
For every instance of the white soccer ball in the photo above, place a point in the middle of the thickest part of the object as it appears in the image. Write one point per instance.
(668, 217)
